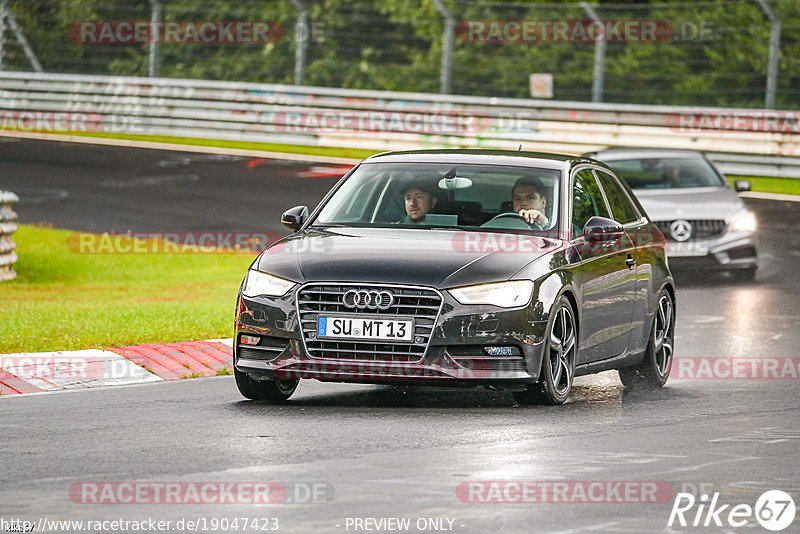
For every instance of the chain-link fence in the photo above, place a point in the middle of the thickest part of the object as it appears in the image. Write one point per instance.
(731, 53)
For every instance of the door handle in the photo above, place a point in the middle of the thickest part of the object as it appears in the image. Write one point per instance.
(630, 262)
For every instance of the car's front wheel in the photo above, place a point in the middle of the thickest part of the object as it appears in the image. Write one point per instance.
(558, 367)
(653, 371)
(264, 390)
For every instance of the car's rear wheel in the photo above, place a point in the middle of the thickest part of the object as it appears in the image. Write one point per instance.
(264, 390)
(653, 371)
(558, 367)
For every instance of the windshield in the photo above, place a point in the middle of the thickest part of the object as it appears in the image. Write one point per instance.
(426, 195)
(666, 173)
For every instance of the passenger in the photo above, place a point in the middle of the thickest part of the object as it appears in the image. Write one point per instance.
(420, 199)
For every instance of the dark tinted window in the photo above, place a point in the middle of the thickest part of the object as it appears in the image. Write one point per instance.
(622, 208)
(665, 173)
(474, 197)
(587, 201)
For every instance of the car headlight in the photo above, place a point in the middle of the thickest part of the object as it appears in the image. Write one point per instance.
(261, 284)
(744, 222)
(503, 294)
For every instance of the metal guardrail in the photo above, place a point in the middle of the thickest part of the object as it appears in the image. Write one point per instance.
(8, 254)
(757, 142)
(751, 165)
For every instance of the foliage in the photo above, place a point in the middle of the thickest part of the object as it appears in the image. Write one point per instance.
(62, 300)
(397, 45)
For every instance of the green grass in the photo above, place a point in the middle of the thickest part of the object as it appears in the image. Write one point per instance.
(762, 184)
(62, 300)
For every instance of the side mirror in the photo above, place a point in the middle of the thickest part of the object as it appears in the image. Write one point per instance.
(294, 218)
(602, 229)
(742, 185)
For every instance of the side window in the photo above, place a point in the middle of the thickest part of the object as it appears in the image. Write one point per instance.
(587, 200)
(622, 208)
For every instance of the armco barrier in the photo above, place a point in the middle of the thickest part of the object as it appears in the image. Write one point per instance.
(8, 254)
(758, 142)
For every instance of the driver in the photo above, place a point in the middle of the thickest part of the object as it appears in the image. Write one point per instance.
(671, 174)
(529, 202)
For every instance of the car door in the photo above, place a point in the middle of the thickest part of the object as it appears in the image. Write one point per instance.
(607, 283)
(624, 210)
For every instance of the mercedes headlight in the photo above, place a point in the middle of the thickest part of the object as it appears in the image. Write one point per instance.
(744, 222)
(261, 284)
(504, 294)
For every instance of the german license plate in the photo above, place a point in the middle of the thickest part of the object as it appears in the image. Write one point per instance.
(365, 328)
(686, 248)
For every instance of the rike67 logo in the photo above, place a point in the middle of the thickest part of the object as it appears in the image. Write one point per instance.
(774, 510)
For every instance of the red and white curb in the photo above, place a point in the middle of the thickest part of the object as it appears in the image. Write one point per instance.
(37, 372)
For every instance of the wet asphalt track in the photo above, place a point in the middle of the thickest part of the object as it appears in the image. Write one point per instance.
(387, 452)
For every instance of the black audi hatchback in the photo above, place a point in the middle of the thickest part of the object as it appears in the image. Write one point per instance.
(510, 270)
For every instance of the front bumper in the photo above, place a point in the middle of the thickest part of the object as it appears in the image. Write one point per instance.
(455, 355)
(732, 250)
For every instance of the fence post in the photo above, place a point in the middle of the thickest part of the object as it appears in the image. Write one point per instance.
(3, 18)
(599, 57)
(155, 20)
(7, 227)
(774, 51)
(447, 46)
(301, 33)
(26, 47)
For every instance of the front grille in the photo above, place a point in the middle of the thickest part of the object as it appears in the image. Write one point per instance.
(421, 304)
(701, 228)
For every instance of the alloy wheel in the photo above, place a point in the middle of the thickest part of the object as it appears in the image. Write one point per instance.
(562, 351)
(662, 336)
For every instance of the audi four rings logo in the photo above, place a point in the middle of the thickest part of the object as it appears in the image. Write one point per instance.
(374, 300)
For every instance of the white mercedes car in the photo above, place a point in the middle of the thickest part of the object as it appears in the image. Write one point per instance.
(706, 223)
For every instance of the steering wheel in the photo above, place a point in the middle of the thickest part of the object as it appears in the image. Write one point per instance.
(502, 220)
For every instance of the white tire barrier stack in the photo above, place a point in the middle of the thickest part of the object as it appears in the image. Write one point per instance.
(8, 254)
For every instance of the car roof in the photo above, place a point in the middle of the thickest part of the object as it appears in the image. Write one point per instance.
(491, 157)
(617, 153)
